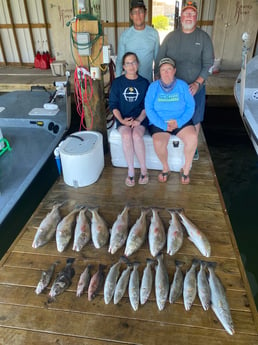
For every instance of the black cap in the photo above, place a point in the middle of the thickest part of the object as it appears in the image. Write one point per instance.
(137, 3)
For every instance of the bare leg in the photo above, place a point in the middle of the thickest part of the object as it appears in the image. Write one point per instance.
(197, 128)
(190, 138)
(128, 147)
(139, 147)
(160, 142)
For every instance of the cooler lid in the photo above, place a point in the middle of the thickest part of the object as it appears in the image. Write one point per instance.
(77, 144)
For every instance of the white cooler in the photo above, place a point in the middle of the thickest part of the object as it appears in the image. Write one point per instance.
(82, 158)
(176, 158)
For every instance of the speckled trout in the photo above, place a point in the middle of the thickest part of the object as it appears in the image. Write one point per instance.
(82, 232)
(175, 234)
(176, 288)
(195, 235)
(137, 234)
(161, 283)
(47, 227)
(219, 303)
(203, 287)
(122, 283)
(99, 229)
(111, 279)
(134, 287)
(119, 231)
(190, 285)
(65, 228)
(147, 281)
(157, 234)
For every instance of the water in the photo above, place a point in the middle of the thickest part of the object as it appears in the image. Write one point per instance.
(236, 165)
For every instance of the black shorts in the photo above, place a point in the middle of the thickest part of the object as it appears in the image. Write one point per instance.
(153, 129)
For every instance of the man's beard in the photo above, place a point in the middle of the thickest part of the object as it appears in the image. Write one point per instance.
(188, 26)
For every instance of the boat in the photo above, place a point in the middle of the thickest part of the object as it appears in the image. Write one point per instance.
(32, 124)
(246, 95)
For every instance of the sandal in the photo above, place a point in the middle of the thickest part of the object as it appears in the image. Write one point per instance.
(185, 179)
(129, 181)
(143, 179)
(163, 176)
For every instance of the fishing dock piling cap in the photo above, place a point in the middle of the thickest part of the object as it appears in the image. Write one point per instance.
(137, 3)
(190, 4)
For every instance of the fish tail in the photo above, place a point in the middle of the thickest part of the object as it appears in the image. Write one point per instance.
(179, 263)
(196, 262)
(124, 259)
(136, 264)
(70, 260)
(211, 264)
(151, 261)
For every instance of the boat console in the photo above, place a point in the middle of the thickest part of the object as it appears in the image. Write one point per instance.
(32, 124)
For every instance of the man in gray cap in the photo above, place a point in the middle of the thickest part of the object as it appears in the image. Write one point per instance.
(141, 39)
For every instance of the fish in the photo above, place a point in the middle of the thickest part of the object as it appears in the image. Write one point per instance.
(96, 282)
(176, 288)
(175, 235)
(134, 286)
(147, 281)
(99, 229)
(157, 235)
(203, 287)
(198, 238)
(219, 303)
(84, 281)
(137, 234)
(47, 227)
(45, 278)
(63, 279)
(122, 283)
(190, 285)
(82, 232)
(65, 229)
(161, 283)
(119, 231)
(111, 280)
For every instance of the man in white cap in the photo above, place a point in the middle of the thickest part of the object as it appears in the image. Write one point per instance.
(192, 50)
(141, 39)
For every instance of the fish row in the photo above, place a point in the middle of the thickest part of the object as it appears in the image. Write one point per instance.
(208, 287)
(76, 222)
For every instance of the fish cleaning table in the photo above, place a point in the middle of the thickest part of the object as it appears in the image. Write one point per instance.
(27, 318)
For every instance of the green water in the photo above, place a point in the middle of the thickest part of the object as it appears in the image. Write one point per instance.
(236, 166)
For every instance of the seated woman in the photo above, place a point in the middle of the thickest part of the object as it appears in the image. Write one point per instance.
(169, 107)
(126, 100)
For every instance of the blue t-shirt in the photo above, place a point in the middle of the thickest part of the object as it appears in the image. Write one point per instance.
(127, 96)
(161, 106)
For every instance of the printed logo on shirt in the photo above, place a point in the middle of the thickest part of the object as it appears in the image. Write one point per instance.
(168, 98)
(131, 94)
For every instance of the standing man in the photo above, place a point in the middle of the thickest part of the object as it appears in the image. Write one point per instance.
(192, 49)
(140, 39)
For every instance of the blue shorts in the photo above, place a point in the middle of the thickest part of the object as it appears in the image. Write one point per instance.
(200, 100)
(153, 129)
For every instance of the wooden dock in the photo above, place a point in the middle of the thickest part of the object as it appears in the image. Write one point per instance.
(27, 318)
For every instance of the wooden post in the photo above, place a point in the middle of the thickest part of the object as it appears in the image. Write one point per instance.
(95, 117)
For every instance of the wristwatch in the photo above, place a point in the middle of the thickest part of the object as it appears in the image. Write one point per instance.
(199, 84)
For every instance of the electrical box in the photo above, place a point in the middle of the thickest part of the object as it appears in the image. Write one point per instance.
(83, 40)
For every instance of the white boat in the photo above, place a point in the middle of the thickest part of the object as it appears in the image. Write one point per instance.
(246, 95)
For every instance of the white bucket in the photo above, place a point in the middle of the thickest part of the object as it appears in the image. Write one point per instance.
(82, 158)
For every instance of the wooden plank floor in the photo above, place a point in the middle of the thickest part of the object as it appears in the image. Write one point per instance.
(26, 318)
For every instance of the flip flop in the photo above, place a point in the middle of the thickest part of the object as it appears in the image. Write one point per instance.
(163, 177)
(129, 181)
(143, 179)
(185, 179)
